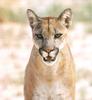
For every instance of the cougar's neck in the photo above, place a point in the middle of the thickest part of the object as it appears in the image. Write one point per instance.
(48, 72)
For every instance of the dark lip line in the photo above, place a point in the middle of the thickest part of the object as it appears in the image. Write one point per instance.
(49, 60)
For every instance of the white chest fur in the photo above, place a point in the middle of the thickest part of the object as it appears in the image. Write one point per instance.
(53, 92)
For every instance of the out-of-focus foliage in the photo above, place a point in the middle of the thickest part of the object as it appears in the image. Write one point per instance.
(81, 12)
(54, 10)
(11, 16)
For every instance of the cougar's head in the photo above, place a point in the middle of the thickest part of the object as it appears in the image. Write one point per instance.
(49, 33)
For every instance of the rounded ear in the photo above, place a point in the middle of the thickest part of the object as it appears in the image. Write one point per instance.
(33, 18)
(65, 17)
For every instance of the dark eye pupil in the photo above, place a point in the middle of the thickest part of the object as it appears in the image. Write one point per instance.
(39, 36)
(57, 35)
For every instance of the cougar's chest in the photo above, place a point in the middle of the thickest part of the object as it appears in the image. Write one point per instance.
(56, 91)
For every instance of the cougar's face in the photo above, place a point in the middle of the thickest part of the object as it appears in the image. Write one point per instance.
(49, 33)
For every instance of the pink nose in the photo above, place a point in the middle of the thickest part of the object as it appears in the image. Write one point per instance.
(48, 50)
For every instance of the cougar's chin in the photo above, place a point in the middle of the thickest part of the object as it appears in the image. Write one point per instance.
(49, 62)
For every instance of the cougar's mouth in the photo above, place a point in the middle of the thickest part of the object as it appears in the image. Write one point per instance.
(49, 59)
(49, 56)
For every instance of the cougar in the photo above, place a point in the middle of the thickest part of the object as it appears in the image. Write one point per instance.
(50, 72)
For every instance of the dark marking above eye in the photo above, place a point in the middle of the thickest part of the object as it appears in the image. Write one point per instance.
(57, 34)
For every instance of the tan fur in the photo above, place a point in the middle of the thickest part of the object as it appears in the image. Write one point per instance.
(50, 82)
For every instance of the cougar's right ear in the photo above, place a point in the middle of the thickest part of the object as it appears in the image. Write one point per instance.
(33, 18)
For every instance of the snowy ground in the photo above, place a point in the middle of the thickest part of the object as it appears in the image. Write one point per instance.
(15, 47)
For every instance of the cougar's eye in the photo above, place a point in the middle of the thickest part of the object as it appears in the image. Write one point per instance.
(39, 36)
(57, 35)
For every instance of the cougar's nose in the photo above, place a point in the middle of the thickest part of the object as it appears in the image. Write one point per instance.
(48, 50)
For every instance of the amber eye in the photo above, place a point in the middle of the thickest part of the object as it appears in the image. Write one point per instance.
(39, 36)
(57, 35)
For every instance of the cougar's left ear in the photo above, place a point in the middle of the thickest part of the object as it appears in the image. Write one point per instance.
(65, 17)
(33, 18)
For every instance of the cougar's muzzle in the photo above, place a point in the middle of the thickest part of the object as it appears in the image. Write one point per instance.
(49, 55)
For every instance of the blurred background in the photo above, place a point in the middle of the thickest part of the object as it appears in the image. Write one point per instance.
(16, 43)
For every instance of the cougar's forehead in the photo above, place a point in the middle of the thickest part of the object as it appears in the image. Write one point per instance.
(49, 25)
